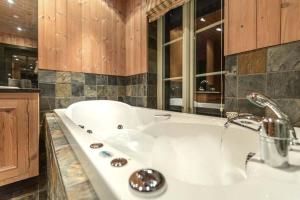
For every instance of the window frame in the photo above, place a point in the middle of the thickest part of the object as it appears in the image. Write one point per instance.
(188, 58)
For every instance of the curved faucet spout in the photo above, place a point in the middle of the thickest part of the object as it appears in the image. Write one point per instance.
(263, 101)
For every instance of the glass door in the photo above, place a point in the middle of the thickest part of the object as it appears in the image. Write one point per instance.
(208, 71)
(172, 61)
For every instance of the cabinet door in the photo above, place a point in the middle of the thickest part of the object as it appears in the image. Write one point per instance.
(290, 20)
(13, 138)
(240, 26)
(268, 22)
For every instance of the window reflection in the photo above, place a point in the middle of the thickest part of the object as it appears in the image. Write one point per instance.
(173, 24)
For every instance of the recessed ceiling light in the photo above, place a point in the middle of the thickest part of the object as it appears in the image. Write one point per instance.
(14, 56)
(11, 1)
(218, 29)
(16, 16)
(19, 29)
(202, 19)
(17, 59)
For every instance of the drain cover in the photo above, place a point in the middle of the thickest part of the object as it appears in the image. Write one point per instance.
(96, 145)
(147, 181)
(118, 162)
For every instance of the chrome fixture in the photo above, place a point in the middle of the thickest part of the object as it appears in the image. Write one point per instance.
(96, 145)
(275, 140)
(276, 135)
(263, 101)
(89, 131)
(243, 119)
(167, 116)
(118, 162)
(147, 181)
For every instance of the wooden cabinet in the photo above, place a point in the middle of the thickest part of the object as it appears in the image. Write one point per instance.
(253, 24)
(19, 125)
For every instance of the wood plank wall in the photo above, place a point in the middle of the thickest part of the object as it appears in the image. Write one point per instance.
(136, 37)
(7, 38)
(92, 36)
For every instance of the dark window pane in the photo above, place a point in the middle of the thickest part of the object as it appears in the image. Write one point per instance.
(173, 60)
(208, 94)
(209, 56)
(173, 95)
(207, 12)
(173, 24)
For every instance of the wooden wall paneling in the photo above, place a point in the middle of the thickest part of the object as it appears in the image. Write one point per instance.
(93, 36)
(49, 41)
(104, 34)
(74, 36)
(136, 37)
(132, 37)
(137, 65)
(41, 34)
(123, 39)
(87, 37)
(119, 36)
(268, 22)
(98, 27)
(129, 37)
(17, 40)
(114, 34)
(290, 21)
(110, 33)
(241, 20)
(144, 34)
(61, 35)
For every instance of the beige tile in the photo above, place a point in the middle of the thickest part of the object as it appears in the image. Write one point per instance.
(253, 62)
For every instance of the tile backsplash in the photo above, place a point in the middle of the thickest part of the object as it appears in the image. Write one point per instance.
(60, 89)
(273, 71)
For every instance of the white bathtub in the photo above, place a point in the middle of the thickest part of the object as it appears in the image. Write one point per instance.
(185, 148)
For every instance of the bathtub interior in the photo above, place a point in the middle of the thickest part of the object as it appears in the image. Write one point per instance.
(194, 152)
(102, 116)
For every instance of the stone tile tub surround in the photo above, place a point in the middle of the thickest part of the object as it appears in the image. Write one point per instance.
(60, 89)
(273, 71)
(66, 177)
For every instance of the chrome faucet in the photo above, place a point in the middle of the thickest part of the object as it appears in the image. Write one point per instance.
(276, 135)
(263, 101)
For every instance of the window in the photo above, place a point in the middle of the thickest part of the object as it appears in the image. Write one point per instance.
(191, 58)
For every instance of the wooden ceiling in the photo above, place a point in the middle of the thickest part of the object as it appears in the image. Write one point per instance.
(26, 12)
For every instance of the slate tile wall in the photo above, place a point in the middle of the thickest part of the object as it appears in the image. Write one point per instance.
(61, 89)
(141, 90)
(273, 71)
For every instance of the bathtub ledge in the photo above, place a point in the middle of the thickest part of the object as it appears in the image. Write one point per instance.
(66, 177)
